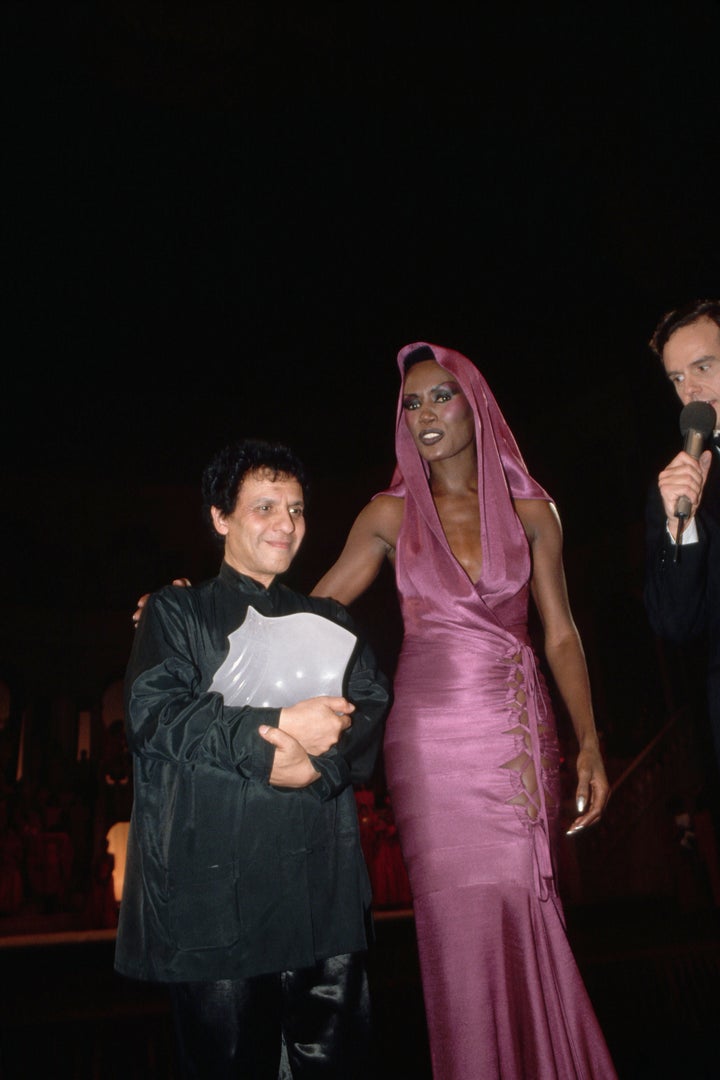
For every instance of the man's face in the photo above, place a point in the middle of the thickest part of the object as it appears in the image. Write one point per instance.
(266, 528)
(691, 359)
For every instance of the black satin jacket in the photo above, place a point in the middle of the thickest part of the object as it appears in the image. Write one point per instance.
(226, 876)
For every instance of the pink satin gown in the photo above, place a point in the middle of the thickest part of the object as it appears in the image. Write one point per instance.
(470, 733)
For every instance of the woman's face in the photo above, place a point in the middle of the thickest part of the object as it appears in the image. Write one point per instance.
(437, 413)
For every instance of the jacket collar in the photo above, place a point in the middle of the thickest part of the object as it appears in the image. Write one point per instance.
(236, 580)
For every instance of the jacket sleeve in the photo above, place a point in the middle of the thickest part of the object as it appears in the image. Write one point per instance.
(169, 716)
(353, 760)
(674, 590)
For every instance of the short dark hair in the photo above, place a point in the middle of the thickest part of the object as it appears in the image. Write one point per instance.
(423, 352)
(682, 316)
(223, 476)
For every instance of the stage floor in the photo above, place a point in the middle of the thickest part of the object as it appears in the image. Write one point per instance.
(652, 970)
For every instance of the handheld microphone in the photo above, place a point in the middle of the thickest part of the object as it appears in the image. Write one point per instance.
(697, 422)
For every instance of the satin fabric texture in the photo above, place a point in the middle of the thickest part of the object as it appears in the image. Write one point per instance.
(471, 759)
(295, 1025)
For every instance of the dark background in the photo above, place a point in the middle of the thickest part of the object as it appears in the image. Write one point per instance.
(226, 219)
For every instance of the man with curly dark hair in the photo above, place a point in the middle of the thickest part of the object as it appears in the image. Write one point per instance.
(251, 711)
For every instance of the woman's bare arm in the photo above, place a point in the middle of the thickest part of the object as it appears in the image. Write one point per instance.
(565, 653)
(371, 539)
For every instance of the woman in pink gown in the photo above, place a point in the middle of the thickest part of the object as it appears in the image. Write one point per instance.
(471, 752)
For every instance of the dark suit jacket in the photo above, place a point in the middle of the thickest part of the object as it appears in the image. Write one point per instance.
(682, 598)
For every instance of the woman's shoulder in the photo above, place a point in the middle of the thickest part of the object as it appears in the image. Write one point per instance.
(384, 514)
(539, 518)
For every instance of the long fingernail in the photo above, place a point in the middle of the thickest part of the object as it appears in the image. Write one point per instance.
(581, 804)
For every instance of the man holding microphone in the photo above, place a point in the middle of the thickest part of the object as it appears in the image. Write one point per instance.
(682, 573)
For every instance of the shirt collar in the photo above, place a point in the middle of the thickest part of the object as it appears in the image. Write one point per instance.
(232, 577)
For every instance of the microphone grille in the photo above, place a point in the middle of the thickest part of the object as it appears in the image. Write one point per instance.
(698, 416)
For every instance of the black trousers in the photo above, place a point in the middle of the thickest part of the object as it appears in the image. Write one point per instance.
(314, 1022)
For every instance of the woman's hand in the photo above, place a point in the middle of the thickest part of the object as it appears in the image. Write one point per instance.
(593, 789)
(144, 598)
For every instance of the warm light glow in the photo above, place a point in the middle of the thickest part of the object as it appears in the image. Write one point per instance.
(117, 846)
